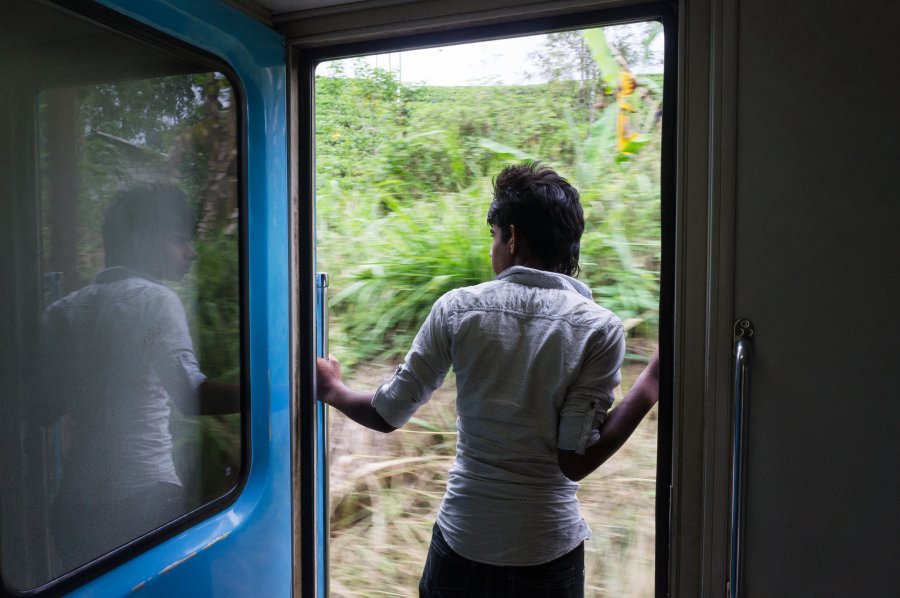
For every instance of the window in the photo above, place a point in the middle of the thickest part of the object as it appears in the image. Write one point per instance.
(120, 301)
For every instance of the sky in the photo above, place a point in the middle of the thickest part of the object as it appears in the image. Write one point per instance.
(499, 62)
(491, 62)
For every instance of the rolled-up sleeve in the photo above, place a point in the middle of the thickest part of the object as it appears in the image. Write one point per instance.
(423, 370)
(588, 400)
(173, 357)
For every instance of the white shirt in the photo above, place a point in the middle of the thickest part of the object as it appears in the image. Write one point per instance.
(536, 363)
(117, 351)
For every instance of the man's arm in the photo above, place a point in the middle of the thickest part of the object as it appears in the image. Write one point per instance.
(175, 362)
(356, 405)
(618, 427)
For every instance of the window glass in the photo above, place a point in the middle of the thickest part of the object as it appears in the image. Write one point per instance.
(120, 305)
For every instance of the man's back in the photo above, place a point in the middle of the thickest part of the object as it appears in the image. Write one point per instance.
(536, 363)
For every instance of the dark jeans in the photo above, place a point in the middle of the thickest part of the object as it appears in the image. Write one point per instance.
(448, 574)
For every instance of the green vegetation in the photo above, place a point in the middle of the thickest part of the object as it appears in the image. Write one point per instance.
(403, 186)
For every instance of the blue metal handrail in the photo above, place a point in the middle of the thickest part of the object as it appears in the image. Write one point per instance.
(322, 493)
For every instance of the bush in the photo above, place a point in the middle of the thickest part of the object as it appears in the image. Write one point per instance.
(409, 258)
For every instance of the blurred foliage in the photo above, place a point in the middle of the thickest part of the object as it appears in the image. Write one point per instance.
(413, 258)
(402, 220)
(411, 227)
(415, 141)
(403, 186)
(385, 489)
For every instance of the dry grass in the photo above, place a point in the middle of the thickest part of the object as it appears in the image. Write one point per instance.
(385, 491)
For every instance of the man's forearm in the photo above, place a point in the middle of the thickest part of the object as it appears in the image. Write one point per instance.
(358, 407)
(621, 424)
(618, 427)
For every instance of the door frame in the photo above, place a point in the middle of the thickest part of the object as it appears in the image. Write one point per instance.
(313, 47)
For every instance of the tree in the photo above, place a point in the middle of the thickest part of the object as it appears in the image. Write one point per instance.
(566, 56)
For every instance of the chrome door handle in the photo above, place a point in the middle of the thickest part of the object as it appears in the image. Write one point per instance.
(743, 331)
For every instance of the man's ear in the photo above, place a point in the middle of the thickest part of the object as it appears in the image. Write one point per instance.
(512, 239)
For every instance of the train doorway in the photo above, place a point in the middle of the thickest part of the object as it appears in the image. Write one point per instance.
(405, 146)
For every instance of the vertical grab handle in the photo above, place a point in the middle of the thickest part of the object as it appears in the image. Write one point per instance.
(743, 331)
(322, 507)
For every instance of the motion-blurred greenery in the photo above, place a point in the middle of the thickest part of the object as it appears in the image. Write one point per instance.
(403, 186)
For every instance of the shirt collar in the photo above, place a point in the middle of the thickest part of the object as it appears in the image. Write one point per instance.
(121, 273)
(543, 279)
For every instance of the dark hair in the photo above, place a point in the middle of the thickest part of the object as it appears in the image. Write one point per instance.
(139, 218)
(544, 208)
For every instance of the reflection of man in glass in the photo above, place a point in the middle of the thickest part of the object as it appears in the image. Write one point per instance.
(119, 351)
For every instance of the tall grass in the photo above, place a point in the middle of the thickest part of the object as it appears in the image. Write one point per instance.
(403, 187)
(385, 491)
(401, 261)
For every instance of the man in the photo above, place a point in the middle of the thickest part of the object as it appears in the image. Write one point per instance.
(536, 363)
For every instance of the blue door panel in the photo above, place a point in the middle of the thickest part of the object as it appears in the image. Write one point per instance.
(244, 550)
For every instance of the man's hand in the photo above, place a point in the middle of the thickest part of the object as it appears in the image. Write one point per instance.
(328, 379)
(330, 389)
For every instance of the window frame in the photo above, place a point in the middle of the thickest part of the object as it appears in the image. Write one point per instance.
(160, 42)
(304, 61)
